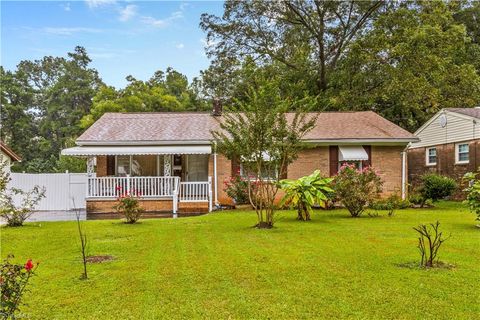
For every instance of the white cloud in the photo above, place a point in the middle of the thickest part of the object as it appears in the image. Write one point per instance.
(64, 31)
(160, 23)
(66, 6)
(128, 12)
(98, 3)
(180, 46)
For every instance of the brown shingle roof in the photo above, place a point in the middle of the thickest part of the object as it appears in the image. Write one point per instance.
(196, 127)
(472, 112)
(9, 152)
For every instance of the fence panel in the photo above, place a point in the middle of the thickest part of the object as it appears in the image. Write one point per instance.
(60, 188)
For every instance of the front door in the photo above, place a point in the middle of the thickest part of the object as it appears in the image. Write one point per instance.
(197, 167)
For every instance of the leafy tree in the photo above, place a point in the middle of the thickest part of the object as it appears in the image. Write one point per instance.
(259, 133)
(305, 192)
(307, 37)
(42, 103)
(163, 92)
(413, 62)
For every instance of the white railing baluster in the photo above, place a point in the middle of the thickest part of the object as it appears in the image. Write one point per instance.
(149, 187)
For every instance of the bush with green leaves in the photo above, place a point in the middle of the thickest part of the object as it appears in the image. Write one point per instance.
(391, 203)
(128, 204)
(473, 193)
(357, 189)
(17, 205)
(435, 187)
(13, 282)
(305, 192)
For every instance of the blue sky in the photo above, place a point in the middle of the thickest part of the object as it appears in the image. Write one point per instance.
(121, 37)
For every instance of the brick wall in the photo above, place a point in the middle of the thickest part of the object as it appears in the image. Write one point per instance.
(445, 163)
(308, 161)
(387, 160)
(224, 171)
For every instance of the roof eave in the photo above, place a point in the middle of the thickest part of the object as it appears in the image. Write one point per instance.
(141, 142)
(371, 141)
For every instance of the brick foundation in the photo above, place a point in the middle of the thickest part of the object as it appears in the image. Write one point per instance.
(106, 206)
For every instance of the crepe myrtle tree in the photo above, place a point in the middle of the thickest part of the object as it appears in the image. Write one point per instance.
(259, 133)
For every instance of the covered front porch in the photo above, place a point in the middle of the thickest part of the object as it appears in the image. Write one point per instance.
(166, 178)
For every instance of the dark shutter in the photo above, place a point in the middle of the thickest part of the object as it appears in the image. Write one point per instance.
(333, 160)
(110, 165)
(235, 166)
(367, 163)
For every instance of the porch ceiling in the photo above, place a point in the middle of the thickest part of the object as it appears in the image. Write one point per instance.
(134, 150)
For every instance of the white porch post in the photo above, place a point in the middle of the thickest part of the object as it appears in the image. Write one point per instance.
(176, 184)
(209, 194)
(128, 184)
(404, 175)
(215, 179)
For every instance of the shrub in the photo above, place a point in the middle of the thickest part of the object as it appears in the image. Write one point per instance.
(357, 188)
(429, 242)
(13, 282)
(435, 187)
(303, 193)
(392, 203)
(473, 193)
(236, 188)
(16, 214)
(128, 205)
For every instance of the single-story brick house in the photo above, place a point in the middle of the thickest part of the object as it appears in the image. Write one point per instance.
(8, 156)
(448, 145)
(170, 157)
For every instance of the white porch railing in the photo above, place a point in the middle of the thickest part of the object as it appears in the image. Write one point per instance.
(151, 187)
(197, 191)
(146, 187)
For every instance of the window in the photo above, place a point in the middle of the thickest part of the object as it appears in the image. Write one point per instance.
(270, 172)
(461, 153)
(139, 165)
(357, 164)
(123, 166)
(431, 156)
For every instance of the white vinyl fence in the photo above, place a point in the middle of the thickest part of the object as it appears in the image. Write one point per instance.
(62, 189)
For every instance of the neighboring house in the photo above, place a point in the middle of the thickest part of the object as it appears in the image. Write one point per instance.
(449, 145)
(7, 155)
(170, 159)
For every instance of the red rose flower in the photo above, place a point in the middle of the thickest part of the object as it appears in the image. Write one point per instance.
(29, 265)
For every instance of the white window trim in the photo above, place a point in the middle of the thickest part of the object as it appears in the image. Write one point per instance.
(427, 156)
(457, 155)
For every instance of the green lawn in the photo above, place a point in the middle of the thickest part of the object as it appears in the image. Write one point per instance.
(217, 266)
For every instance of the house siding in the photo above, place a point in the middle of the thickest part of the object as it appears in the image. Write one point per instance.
(445, 163)
(458, 128)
